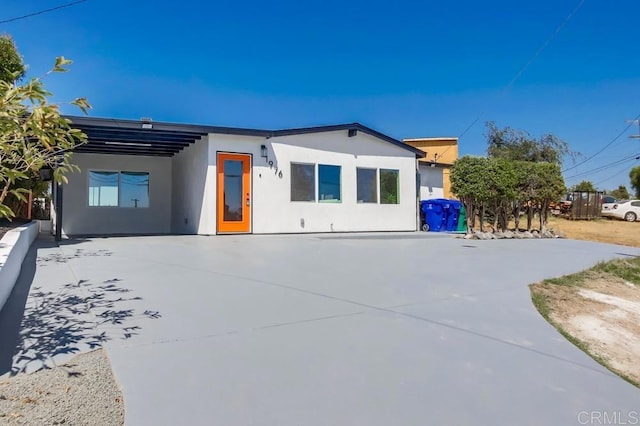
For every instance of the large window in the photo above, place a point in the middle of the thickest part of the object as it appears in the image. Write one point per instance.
(329, 183)
(119, 189)
(389, 184)
(303, 182)
(103, 189)
(367, 185)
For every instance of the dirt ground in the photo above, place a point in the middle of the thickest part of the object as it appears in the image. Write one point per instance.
(601, 230)
(604, 311)
(601, 313)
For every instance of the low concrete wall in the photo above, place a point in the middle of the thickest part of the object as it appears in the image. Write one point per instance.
(45, 225)
(13, 248)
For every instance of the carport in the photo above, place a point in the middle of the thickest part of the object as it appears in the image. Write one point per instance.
(146, 139)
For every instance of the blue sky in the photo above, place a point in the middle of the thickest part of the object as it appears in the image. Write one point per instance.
(405, 68)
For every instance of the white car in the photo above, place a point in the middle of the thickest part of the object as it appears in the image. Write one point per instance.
(628, 210)
(608, 202)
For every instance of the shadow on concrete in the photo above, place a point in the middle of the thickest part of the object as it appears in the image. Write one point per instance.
(37, 325)
(60, 257)
(13, 310)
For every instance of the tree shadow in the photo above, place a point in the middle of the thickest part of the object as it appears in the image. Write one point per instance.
(60, 257)
(40, 327)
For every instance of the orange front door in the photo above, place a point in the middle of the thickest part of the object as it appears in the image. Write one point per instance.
(234, 193)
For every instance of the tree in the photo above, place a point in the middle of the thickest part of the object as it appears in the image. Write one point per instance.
(585, 186)
(33, 135)
(11, 66)
(517, 145)
(469, 182)
(551, 188)
(621, 193)
(634, 175)
(521, 174)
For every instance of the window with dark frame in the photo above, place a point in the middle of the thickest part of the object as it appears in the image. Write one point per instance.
(118, 189)
(329, 183)
(389, 186)
(367, 185)
(303, 182)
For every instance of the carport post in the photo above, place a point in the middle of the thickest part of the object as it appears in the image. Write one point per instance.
(58, 205)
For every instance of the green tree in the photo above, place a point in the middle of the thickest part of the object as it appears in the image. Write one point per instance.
(11, 65)
(634, 175)
(584, 186)
(502, 183)
(469, 177)
(551, 187)
(517, 145)
(622, 193)
(33, 135)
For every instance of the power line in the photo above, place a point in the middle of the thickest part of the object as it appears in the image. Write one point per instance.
(605, 166)
(42, 11)
(598, 169)
(625, 168)
(530, 61)
(544, 46)
(604, 147)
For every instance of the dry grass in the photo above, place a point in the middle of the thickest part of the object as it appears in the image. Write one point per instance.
(601, 230)
(598, 310)
(611, 231)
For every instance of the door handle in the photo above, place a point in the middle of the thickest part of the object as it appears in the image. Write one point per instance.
(248, 200)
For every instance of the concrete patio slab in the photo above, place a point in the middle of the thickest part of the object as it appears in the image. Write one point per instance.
(398, 328)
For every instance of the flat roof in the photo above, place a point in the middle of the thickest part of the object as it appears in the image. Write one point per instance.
(444, 138)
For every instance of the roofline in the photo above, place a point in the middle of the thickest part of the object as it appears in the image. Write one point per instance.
(202, 130)
(351, 126)
(444, 138)
(164, 126)
(435, 163)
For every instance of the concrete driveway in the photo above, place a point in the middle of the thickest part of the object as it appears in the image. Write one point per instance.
(381, 329)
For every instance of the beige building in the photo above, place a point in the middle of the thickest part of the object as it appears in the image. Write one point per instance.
(435, 167)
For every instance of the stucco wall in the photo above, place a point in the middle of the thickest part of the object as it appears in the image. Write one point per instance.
(183, 188)
(431, 182)
(80, 219)
(441, 150)
(13, 249)
(273, 210)
(190, 169)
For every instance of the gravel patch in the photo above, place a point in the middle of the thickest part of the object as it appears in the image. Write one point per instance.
(80, 392)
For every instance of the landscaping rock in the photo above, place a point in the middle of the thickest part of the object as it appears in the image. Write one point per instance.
(500, 235)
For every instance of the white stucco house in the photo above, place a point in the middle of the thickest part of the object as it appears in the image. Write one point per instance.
(144, 177)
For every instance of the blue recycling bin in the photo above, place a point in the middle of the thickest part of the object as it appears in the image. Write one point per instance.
(453, 215)
(432, 215)
(440, 214)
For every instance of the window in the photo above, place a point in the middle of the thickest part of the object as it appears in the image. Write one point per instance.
(134, 189)
(119, 189)
(389, 184)
(367, 186)
(103, 189)
(303, 182)
(329, 183)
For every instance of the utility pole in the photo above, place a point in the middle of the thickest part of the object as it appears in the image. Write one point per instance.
(638, 123)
